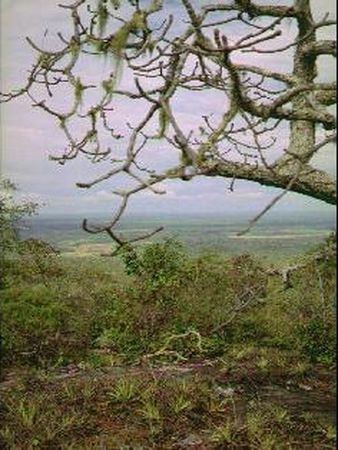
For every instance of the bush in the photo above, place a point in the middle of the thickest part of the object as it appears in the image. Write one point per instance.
(32, 322)
(317, 340)
(11, 214)
(77, 308)
(161, 269)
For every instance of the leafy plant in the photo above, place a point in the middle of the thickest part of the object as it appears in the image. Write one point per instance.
(160, 267)
(12, 212)
(223, 434)
(124, 391)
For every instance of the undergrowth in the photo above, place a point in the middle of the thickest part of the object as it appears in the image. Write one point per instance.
(131, 337)
(190, 307)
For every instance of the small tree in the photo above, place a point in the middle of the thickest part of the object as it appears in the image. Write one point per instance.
(207, 52)
(12, 212)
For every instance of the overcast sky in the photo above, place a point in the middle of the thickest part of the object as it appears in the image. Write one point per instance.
(28, 136)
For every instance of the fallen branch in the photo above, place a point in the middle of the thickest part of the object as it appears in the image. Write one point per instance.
(234, 313)
(165, 351)
(286, 272)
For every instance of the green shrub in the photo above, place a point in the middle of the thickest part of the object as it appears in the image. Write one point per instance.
(160, 269)
(12, 213)
(32, 321)
(86, 308)
(317, 339)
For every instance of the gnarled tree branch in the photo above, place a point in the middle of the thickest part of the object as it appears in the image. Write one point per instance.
(164, 57)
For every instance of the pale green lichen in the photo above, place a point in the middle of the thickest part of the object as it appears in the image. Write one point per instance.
(102, 15)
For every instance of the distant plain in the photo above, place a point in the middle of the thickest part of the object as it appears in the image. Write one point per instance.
(276, 238)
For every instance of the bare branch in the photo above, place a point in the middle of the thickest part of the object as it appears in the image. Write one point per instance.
(155, 61)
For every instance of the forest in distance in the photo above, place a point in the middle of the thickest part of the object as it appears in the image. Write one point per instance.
(290, 235)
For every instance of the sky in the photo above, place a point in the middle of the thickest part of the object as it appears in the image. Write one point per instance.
(29, 136)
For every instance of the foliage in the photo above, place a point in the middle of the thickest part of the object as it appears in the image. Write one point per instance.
(89, 316)
(161, 268)
(32, 323)
(157, 261)
(189, 307)
(11, 213)
(318, 339)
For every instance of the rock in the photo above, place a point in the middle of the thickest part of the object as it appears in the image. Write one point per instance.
(305, 387)
(193, 441)
(225, 392)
